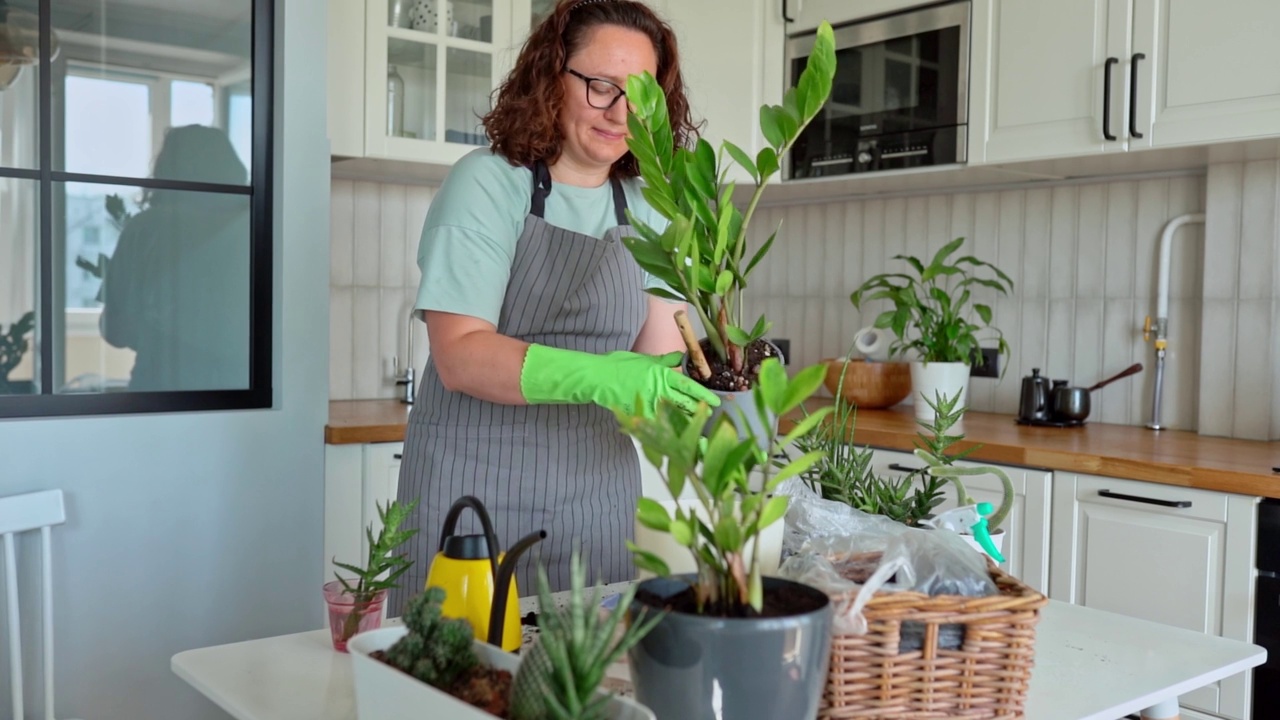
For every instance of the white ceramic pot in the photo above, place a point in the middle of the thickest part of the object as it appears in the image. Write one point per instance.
(385, 693)
(680, 560)
(928, 379)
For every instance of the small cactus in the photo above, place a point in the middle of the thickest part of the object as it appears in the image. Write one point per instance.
(558, 677)
(437, 650)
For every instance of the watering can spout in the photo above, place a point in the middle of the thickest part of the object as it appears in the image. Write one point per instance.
(506, 570)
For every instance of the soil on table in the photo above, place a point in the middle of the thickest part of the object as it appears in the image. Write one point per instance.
(781, 601)
(483, 687)
(722, 376)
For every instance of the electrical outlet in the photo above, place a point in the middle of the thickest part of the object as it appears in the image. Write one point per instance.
(990, 366)
(784, 345)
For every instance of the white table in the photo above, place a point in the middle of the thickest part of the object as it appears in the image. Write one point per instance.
(1090, 665)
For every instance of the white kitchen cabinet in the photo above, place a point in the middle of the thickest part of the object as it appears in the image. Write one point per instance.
(1210, 71)
(443, 72)
(731, 54)
(357, 479)
(1191, 74)
(1026, 548)
(1168, 554)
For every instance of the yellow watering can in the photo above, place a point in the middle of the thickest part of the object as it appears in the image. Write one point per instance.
(469, 568)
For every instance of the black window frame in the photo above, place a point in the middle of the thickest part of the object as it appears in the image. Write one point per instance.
(260, 190)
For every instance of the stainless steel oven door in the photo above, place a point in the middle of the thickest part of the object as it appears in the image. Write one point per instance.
(900, 97)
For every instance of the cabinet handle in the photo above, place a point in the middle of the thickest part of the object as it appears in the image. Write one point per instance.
(785, 16)
(398, 456)
(1106, 99)
(905, 468)
(1147, 500)
(1133, 95)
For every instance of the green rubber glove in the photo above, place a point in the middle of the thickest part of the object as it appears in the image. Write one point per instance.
(612, 380)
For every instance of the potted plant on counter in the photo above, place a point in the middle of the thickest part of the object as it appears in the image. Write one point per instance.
(702, 253)
(935, 319)
(13, 345)
(434, 667)
(733, 643)
(357, 607)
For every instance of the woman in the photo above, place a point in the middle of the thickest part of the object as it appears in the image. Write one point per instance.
(537, 314)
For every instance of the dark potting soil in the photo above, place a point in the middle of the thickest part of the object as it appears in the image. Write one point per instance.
(722, 376)
(482, 686)
(782, 601)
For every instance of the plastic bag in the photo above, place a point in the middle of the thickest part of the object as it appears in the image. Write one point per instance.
(851, 555)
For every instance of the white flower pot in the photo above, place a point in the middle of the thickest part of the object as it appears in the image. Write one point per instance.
(928, 379)
(680, 560)
(385, 693)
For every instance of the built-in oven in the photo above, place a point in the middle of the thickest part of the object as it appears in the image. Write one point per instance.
(899, 98)
(1266, 619)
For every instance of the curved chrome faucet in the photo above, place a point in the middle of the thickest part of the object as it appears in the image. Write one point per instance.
(405, 378)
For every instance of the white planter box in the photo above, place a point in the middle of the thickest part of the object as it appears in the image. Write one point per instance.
(385, 693)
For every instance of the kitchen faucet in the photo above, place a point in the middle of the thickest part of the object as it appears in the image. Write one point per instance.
(405, 378)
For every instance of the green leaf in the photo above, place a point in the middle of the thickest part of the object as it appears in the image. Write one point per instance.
(764, 249)
(983, 311)
(773, 511)
(742, 158)
(728, 534)
(737, 336)
(772, 384)
(770, 127)
(797, 466)
(805, 426)
(767, 161)
(801, 387)
(723, 282)
(648, 561)
(652, 514)
(682, 532)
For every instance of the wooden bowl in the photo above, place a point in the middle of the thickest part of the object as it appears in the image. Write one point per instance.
(869, 384)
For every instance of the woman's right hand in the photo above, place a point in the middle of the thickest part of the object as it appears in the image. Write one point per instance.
(616, 380)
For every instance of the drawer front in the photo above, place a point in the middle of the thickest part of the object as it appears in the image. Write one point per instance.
(1153, 497)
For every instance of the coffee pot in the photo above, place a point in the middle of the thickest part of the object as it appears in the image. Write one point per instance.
(1034, 405)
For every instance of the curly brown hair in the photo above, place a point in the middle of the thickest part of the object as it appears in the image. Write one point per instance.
(524, 127)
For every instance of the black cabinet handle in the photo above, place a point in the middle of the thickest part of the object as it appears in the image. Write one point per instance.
(904, 468)
(786, 16)
(398, 456)
(1147, 500)
(1133, 95)
(1106, 99)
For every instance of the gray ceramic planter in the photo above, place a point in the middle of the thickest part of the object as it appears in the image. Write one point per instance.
(692, 667)
(737, 405)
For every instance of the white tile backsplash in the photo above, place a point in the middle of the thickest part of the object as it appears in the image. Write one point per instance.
(1083, 257)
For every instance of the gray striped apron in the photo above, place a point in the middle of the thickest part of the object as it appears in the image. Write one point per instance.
(566, 469)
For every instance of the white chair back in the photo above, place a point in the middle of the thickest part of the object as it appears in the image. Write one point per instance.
(19, 514)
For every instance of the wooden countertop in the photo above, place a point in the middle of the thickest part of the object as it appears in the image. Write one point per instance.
(1171, 457)
(365, 421)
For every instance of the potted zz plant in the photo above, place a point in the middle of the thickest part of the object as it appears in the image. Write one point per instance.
(433, 667)
(702, 253)
(933, 317)
(733, 643)
(355, 605)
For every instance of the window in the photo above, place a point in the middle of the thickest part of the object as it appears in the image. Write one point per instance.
(135, 225)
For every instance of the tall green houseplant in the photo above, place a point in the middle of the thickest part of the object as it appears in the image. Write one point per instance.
(702, 253)
(933, 311)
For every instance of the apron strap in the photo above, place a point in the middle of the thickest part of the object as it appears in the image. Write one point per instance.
(619, 201)
(542, 189)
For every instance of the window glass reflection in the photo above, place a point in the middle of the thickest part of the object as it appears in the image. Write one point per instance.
(176, 64)
(175, 290)
(19, 371)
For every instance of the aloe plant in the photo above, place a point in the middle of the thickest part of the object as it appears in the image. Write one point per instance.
(382, 568)
(561, 673)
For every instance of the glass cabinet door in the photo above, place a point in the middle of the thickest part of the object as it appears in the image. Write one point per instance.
(437, 77)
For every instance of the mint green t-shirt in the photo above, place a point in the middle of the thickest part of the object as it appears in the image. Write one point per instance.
(469, 238)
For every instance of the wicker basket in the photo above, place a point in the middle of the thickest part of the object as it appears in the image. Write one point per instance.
(985, 677)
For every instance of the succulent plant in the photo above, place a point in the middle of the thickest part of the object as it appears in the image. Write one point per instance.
(436, 650)
(558, 678)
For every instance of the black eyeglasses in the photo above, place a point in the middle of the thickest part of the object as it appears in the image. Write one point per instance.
(601, 94)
